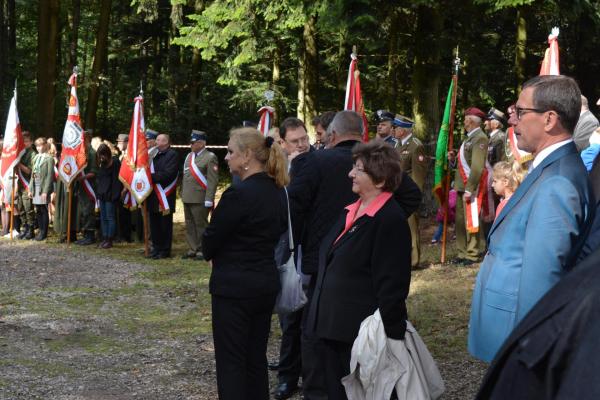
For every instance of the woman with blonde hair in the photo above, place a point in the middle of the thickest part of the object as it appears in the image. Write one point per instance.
(240, 242)
(42, 185)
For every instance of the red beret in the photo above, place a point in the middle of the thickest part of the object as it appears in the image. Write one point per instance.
(476, 112)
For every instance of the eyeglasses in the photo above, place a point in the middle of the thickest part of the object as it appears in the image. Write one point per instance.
(520, 111)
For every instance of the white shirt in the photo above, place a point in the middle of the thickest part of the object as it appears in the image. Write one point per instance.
(546, 152)
(494, 133)
(471, 132)
(406, 139)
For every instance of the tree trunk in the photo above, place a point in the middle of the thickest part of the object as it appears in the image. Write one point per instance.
(392, 64)
(195, 75)
(100, 58)
(426, 74)
(521, 45)
(46, 67)
(308, 74)
(3, 60)
(74, 18)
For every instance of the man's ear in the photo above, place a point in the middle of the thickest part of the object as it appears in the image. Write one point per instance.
(551, 121)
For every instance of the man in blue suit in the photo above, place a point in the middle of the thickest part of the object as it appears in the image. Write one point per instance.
(535, 238)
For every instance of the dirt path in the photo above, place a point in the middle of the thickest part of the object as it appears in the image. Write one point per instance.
(92, 327)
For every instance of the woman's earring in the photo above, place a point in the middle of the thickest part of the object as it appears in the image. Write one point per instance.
(245, 168)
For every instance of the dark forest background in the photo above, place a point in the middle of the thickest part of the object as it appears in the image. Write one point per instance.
(206, 64)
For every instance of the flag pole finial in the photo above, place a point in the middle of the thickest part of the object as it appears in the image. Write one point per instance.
(141, 88)
(456, 61)
(76, 70)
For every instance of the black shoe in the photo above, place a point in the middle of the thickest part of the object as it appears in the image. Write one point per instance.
(285, 391)
(273, 366)
(30, 235)
(25, 232)
(41, 237)
(160, 256)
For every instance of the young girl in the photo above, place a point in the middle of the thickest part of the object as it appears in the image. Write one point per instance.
(42, 185)
(506, 178)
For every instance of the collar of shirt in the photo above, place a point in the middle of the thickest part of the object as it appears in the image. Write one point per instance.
(200, 152)
(406, 139)
(494, 133)
(471, 132)
(370, 210)
(546, 152)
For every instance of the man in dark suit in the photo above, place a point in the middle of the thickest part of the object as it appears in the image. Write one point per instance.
(318, 193)
(161, 202)
(542, 227)
(586, 125)
(553, 352)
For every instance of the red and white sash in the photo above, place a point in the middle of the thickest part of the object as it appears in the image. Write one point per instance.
(519, 155)
(129, 201)
(482, 198)
(23, 180)
(89, 190)
(163, 193)
(196, 173)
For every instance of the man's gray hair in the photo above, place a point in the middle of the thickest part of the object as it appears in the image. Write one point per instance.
(474, 118)
(346, 123)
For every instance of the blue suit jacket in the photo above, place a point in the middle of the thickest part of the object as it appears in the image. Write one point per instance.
(529, 247)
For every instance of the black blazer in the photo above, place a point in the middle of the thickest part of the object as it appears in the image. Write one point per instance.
(166, 167)
(241, 238)
(320, 189)
(553, 352)
(367, 268)
(108, 185)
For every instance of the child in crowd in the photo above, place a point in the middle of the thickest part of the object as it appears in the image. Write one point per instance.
(506, 177)
(42, 185)
(437, 236)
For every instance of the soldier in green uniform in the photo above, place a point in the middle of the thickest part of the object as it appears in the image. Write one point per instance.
(198, 188)
(470, 162)
(414, 162)
(495, 121)
(24, 203)
(86, 206)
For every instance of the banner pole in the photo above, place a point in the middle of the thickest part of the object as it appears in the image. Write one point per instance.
(70, 198)
(146, 241)
(450, 147)
(12, 204)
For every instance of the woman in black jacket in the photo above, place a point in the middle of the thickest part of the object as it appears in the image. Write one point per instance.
(240, 241)
(364, 263)
(108, 188)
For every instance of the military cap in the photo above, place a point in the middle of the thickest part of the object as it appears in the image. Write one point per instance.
(497, 115)
(384, 115)
(122, 137)
(476, 112)
(401, 121)
(197, 135)
(151, 134)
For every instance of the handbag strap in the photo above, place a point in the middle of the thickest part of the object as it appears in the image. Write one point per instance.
(291, 236)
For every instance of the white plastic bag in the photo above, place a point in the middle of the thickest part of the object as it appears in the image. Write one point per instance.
(291, 296)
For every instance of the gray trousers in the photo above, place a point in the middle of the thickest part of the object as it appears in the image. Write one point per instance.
(196, 220)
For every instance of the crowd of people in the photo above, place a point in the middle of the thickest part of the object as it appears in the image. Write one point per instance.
(525, 207)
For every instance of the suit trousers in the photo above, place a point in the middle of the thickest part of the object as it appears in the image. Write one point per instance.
(469, 245)
(124, 222)
(161, 230)
(290, 360)
(196, 220)
(240, 334)
(314, 386)
(413, 224)
(337, 365)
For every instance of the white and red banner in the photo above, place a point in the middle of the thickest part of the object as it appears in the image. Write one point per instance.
(266, 119)
(135, 168)
(12, 151)
(481, 199)
(196, 173)
(354, 100)
(73, 157)
(89, 190)
(551, 65)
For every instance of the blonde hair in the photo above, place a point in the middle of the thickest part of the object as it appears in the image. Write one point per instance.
(41, 141)
(271, 157)
(513, 173)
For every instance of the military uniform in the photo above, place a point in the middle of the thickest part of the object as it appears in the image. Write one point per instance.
(496, 151)
(470, 245)
(197, 200)
(86, 207)
(24, 203)
(414, 162)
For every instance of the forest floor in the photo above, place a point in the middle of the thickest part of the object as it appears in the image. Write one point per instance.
(85, 323)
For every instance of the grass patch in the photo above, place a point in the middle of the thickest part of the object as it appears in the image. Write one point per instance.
(91, 343)
(49, 369)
